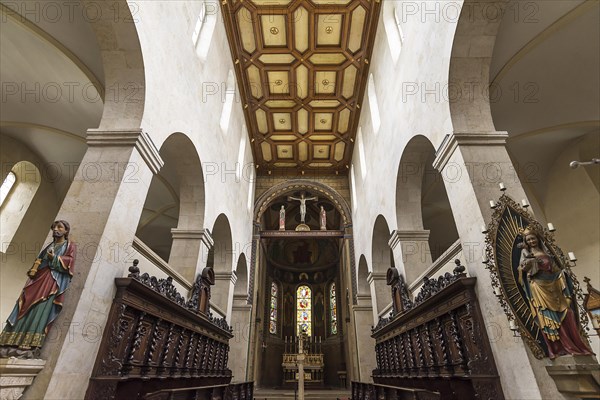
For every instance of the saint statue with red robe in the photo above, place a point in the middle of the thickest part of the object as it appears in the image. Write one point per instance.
(42, 297)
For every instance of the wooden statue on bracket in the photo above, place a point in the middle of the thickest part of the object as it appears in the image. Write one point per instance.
(534, 283)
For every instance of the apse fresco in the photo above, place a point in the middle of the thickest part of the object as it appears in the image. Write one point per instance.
(303, 252)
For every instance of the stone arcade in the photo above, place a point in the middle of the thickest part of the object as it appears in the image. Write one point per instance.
(280, 168)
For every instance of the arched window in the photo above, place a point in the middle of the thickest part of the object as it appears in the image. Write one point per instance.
(228, 102)
(333, 327)
(361, 153)
(274, 308)
(204, 27)
(199, 23)
(373, 104)
(18, 189)
(8, 184)
(304, 310)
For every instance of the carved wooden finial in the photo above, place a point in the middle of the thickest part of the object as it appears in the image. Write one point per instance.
(459, 269)
(589, 285)
(134, 271)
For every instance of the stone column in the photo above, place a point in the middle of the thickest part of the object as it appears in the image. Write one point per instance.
(103, 205)
(255, 276)
(415, 252)
(222, 294)
(363, 315)
(349, 282)
(241, 314)
(380, 293)
(472, 165)
(185, 251)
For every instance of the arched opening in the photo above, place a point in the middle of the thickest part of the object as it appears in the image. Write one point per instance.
(26, 179)
(381, 261)
(173, 213)
(364, 290)
(552, 118)
(304, 254)
(426, 226)
(364, 316)
(240, 321)
(69, 63)
(220, 258)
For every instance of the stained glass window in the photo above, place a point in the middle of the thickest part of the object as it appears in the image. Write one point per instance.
(332, 310)
(274, 309)
(304, 310)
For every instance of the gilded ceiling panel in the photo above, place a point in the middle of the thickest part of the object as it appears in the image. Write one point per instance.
(302, 67)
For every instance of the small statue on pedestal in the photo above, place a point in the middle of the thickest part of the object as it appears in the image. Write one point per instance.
(41, 299)
(282, 218)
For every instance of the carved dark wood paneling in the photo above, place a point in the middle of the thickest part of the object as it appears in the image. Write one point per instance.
(155, 340)
(438, 344)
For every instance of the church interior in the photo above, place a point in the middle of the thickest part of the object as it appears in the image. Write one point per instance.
(321, 199)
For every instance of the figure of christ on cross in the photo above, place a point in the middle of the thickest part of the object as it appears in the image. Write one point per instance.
(302, 199)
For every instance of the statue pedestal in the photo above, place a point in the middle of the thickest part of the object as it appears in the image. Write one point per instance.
(16, 375)
(576, 377)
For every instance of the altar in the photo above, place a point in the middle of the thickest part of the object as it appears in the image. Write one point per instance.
(312, 365)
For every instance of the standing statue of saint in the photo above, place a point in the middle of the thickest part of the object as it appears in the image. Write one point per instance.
(323, 219)
(549, 291)
(42, 297)
(302, 201)
(282, 218)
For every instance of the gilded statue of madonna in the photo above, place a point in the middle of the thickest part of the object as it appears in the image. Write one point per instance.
(549, 292)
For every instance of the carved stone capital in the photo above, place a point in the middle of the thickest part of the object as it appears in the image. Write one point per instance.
(206, 238)
(127, 138)
(226, 276)
(376, 276)
(402, 236)
(457, 139)
(187, 233)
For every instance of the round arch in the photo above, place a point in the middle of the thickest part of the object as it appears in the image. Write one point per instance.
(426, 225)
(380, 249)
(409, 182)
(173, 212)
(123, 66)
(182, 163)
(470, 61)
(241, 272)
(363, 274)
(220, 256)
(284, 188)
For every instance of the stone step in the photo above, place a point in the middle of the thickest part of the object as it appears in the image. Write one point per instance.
(269, 394)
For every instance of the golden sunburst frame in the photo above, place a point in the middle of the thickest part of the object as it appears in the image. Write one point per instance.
(502, 248)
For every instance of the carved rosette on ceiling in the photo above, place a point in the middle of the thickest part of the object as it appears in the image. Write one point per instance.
(503, 245)
(302, 67)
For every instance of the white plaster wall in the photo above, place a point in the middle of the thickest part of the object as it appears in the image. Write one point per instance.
(31, 234)
(178, 99)
(572, 204)
(423, 64)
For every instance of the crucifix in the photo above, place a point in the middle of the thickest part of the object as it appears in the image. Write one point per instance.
(302, 199)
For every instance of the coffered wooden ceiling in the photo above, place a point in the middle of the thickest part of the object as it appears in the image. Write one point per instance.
(302, 68)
